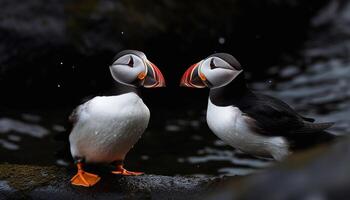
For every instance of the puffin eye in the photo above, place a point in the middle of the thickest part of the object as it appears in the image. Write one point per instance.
(212, 65)
(131, 62)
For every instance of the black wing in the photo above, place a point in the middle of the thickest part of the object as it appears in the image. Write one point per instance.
(271, 116)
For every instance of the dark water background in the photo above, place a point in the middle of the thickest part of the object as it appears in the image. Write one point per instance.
(48, 67)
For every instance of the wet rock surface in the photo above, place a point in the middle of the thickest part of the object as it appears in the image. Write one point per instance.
(42, 182)
(320, 173)
(330, 32)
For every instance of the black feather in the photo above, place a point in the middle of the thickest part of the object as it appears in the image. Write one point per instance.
(308, 119)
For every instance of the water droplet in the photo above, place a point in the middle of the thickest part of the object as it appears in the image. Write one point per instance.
(221, 40)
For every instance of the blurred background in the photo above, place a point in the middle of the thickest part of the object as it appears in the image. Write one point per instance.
(54, 54)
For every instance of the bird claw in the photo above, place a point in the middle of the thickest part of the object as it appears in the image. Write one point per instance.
(121, 171)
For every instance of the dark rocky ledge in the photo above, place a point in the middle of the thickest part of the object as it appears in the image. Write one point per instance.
(43, 182)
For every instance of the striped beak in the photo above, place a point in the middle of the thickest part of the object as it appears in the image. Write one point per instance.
(153, 78)
(193, 77)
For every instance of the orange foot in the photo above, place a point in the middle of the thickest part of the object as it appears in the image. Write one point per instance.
(83, 178)
(120, 170)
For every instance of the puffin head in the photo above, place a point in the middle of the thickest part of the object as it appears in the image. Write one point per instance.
(215, 71)
(132, 68)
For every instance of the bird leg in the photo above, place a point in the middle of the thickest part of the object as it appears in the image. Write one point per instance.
(83, 178)
(120, 170)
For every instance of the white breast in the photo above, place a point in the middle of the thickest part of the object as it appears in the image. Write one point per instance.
(230, 125)
(108, 127)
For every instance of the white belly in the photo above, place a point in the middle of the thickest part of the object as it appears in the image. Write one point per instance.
(108, 127)
(228, 123)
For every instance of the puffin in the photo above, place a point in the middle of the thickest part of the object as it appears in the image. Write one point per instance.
(254, 123)
(105, 128)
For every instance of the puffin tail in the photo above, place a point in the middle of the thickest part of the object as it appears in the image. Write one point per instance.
(310, 127)
(312, 134)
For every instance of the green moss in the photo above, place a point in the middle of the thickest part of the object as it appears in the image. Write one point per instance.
(26, 177)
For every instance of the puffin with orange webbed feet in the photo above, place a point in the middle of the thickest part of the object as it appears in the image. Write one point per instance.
(254, 123)
(106, 127)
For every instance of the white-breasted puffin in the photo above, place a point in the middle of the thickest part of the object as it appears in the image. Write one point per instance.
(106, 127)
(254, 123)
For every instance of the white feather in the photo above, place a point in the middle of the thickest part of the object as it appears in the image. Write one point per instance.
(230, 125)
(108, 127)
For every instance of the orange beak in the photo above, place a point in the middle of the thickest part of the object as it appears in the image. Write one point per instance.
(193, 77)
(153, 78)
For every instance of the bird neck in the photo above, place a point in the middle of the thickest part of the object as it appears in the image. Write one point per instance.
(230, 93)
(123, 89)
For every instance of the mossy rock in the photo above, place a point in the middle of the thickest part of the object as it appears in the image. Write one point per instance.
(26, 177)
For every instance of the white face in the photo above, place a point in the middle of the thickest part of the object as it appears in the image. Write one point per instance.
(216, 72)
(127, 69)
